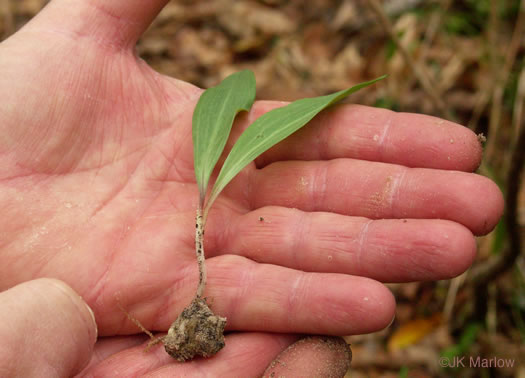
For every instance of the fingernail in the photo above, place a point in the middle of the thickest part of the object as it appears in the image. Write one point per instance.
(392, 321)
(92, 317)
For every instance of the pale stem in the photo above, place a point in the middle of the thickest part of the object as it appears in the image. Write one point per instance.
(199, 250)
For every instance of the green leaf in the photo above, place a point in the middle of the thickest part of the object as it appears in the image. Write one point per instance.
(467, 339)
(403, 372)
(271, 128)
(212, 122)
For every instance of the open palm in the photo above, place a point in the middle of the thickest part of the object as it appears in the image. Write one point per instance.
(97, 189)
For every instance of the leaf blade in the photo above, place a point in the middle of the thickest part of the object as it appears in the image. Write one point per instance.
(270, 129)
(213, 119)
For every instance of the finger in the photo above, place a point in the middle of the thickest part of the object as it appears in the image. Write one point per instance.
(378, 190)
(46, 330)
(387, 250)
(116, 23)
(318, 356)
(263, 297)
(269, 298)
(245, 355)
(362, 132)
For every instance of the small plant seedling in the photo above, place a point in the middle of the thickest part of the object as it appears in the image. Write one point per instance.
(198, 331)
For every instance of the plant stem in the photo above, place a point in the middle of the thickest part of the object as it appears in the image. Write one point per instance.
(199, 250)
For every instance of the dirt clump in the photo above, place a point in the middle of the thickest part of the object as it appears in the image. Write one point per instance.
(196, 332)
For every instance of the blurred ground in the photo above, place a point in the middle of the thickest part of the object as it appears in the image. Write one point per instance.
(466, 62)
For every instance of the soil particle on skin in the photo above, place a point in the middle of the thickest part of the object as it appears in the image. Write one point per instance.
(481, 138)
(196, 332)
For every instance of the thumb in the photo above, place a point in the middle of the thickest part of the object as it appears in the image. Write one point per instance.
(46, 329)
(314, 356)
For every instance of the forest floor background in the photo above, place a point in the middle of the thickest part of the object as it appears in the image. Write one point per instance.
(463, 60)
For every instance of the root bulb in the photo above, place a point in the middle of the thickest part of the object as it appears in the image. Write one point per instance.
(196, 332)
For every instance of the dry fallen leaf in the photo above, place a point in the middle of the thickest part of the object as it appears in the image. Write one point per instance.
(412, 332)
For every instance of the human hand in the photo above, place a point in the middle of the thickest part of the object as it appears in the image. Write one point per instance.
(47, 330)
(97, 189)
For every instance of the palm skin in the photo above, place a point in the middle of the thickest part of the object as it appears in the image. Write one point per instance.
(97, 189)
